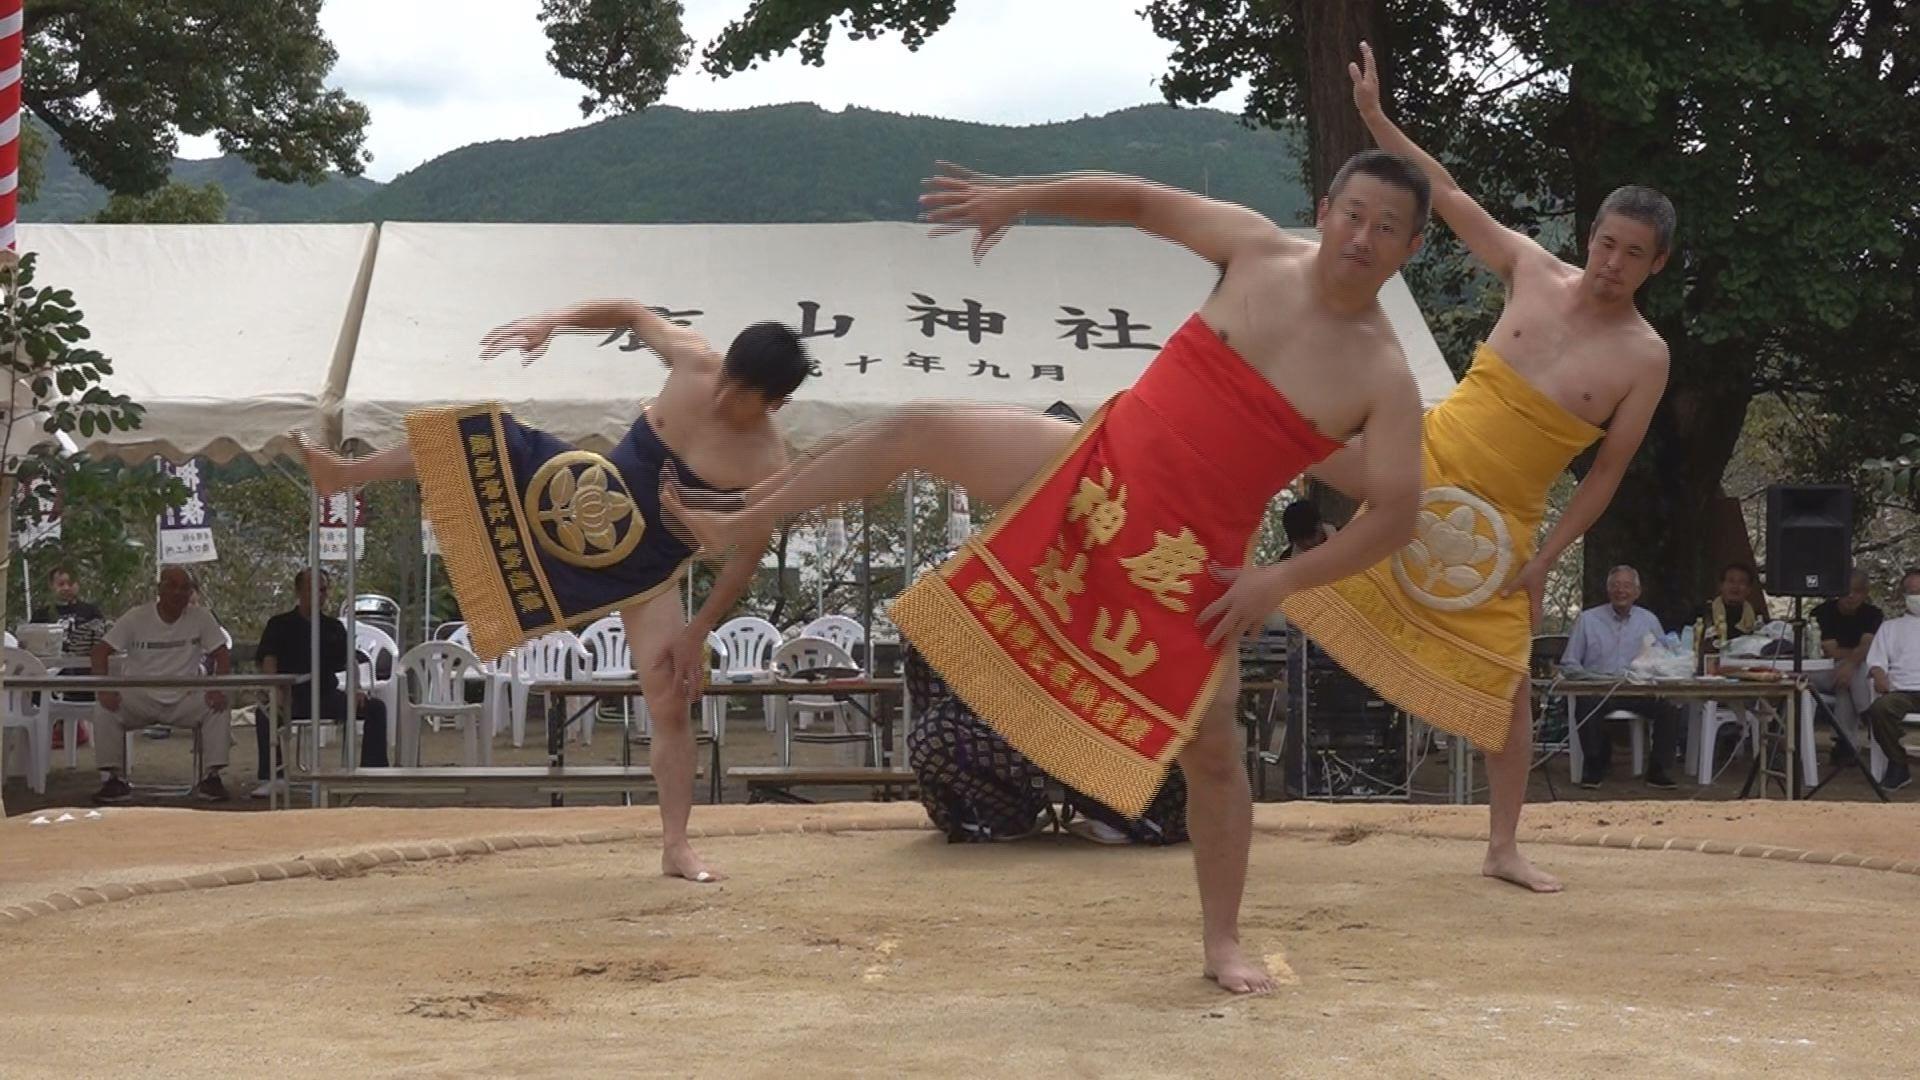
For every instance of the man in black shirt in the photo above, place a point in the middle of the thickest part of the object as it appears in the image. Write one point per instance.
(286, 648)
(1847, 625)
(84, 625)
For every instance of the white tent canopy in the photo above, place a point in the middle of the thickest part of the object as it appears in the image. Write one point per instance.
(230, 335)
(899, 317)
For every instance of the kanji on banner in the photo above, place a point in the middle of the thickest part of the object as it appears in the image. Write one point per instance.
(429, 544)
(186, 532)
(959, 517)
(39, 518)
(333, 526)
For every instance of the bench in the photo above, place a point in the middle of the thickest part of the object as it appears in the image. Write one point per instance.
(776, 783)
(434, 780)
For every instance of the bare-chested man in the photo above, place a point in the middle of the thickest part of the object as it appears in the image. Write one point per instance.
(1570, 361)
(1130, 511)
(709, 430)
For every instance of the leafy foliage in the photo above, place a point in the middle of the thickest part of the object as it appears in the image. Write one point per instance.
(623, 51)
(176, 203)
(771, 27)
(118, 80)
(57, 392)
(66, 194)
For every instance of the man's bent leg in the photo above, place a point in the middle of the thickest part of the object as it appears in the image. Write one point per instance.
(990, 451)
(332, 473)
(1220, 821)
(1887, 716)
(651, 627)
(110, 737)
(1507, 777)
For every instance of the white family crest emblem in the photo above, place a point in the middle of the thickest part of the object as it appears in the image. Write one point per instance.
(1461, 553)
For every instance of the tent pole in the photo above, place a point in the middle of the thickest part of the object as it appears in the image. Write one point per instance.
(348, 758)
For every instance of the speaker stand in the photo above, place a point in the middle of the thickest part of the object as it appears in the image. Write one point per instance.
(1841, 737)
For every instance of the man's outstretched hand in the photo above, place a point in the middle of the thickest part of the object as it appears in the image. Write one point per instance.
(960, 199)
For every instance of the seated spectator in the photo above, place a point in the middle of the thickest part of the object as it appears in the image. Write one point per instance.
(1847, 626)
(1730, 614)
(286, 648)
(171, 637)
(82, 625)
(977, 788)
(1605, 639)
(1893, 663)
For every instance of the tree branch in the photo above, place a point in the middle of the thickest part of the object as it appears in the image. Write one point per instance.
(1510, 83)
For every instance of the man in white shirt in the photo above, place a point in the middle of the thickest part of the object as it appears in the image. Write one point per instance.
(1893, 663)
(1604, 641)
(172, 636)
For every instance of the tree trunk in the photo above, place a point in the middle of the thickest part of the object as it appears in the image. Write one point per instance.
(1334, 30)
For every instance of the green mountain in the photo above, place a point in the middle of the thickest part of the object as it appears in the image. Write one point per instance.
(789, 163)
(801, 163)
(67, 195)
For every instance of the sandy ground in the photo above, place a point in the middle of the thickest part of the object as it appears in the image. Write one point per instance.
(891, 953)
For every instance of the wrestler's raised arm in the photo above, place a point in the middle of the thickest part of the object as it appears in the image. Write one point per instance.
(1385, 472)
(1499, 247)
(675, 345)
(960, 199)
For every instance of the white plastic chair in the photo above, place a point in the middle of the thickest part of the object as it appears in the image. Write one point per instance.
(553, 657)
(26, 711)
(1638, 727)
(434, 677)
(496, 685)
(380, 650)
(608, 656)
(750, 644)
(1714, 716)
(804, 654)
(839, 629)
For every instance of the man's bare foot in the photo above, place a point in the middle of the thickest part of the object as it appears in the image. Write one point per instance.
(324, 467)
(709, 528)
(1229, 967)
(681, 862)
(1510, 865)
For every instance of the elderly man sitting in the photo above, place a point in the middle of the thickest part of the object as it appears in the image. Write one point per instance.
(1604, 641)
(1893, 662)
(171, 637)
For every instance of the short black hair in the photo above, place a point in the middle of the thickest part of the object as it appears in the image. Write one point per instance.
(1646, 206)
(300, 580)
(61, 568)
(770, 358)
(1390, 169)
(1745, 568)
(1299, 520)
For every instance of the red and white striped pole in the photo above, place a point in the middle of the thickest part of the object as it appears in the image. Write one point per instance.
(11, 22)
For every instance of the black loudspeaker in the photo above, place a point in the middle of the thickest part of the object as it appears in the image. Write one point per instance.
(1809, 539)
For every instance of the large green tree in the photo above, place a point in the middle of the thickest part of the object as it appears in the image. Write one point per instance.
(1786, 131)
(118, 81)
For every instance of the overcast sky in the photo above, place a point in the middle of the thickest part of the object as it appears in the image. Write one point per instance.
(440, 74)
